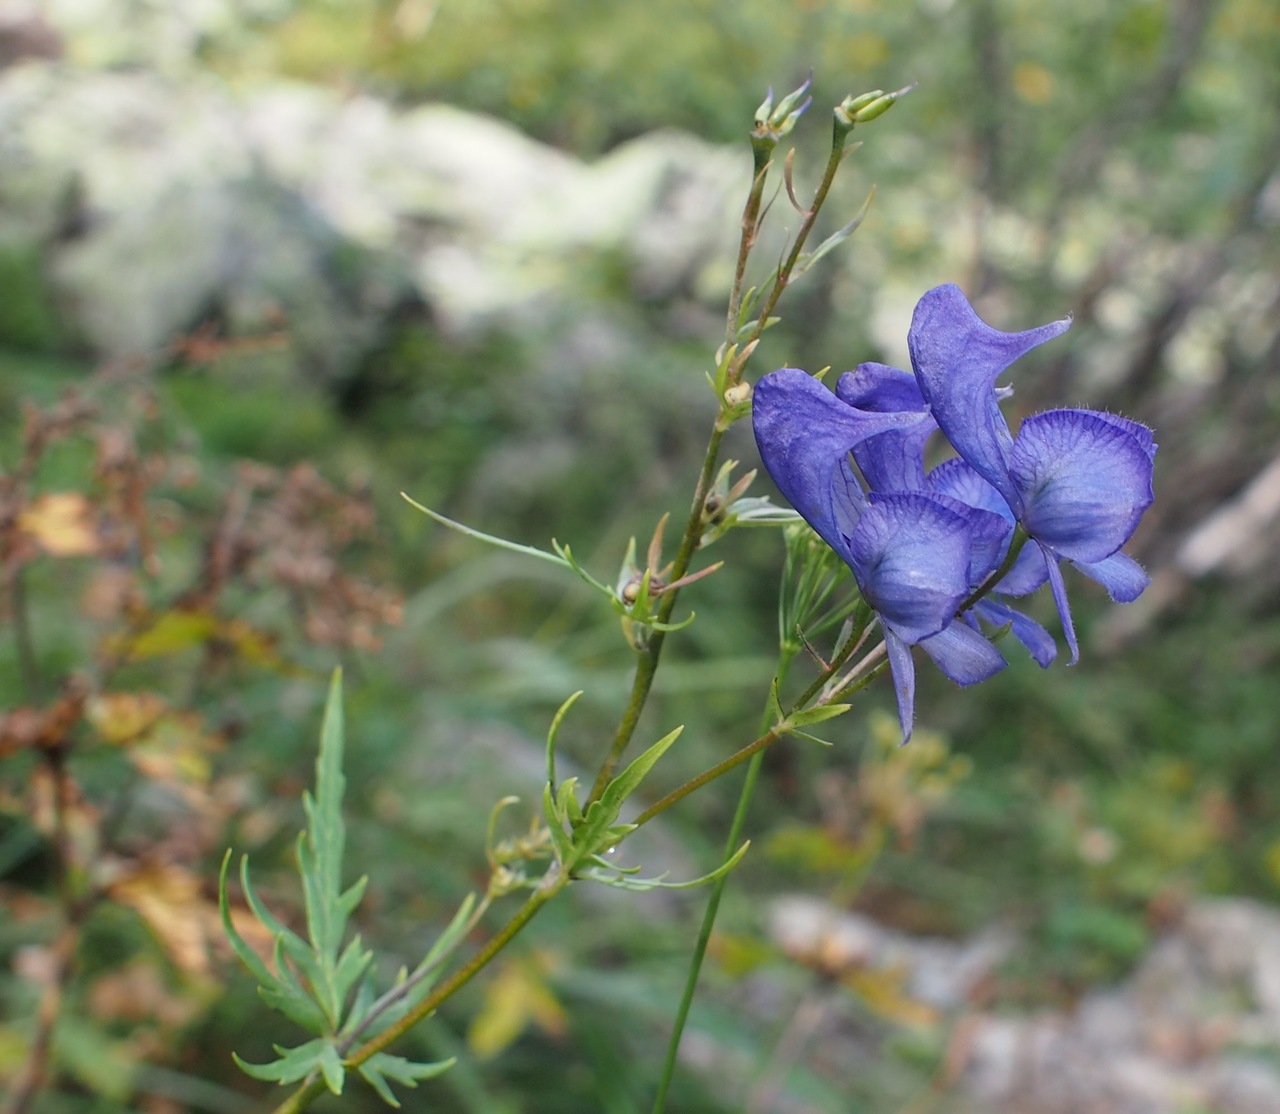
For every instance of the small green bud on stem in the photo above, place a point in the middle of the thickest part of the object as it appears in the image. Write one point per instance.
(866, 107)
(772, 124)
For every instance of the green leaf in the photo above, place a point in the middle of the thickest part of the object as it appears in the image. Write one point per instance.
(382, 1066)
(556, 824)
(596, 832)
(244, 953)
(501, 543)
(294, 1063)
(564, 553)
(326, 833)
(626, 783)
(833, 241)
(567, 800)
(809, 716)
(283, 993)
(350, 969)
(553, 731)
(811, 738)
(622, 880)
(297, 1005)
(331, 1068)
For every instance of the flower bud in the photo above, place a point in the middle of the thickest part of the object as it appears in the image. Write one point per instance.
(866, 107)
(774, 123)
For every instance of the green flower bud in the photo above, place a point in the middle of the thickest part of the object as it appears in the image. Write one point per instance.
(774, 123)
(866, 107)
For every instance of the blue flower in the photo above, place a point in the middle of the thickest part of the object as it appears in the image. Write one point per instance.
(1077, 481)
(921, 544)
(912, 552)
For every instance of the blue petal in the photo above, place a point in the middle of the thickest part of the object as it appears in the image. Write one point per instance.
(1059, 589)
(1122, 576)
(1085, 480)
(892, 461)
(1038, 641)
(963, 654)
(989, 537)
(910, 556)
(957, 359)
(1028, 574)
(955, 478)
(804, 434)
(903, 670)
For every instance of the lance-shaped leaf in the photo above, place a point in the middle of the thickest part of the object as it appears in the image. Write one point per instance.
(320, 853)
(598, 830)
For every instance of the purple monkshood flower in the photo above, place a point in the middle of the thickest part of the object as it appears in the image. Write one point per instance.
(1076, 481)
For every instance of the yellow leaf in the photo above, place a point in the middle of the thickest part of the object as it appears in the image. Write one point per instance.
(62, 523)
(517, 996)
(121, 717)
(172, 633)
(881, 990)
(170, 900)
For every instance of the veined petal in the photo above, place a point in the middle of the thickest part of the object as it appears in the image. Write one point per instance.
(957, 359)
(989, 537)
(910, 556)
(894, 460)
(955, 478)
(1084, 479)
(1123, 578)
(963, 654)
(805, 434)
(1038, 641)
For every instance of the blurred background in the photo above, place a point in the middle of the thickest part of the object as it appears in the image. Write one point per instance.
(264, 264)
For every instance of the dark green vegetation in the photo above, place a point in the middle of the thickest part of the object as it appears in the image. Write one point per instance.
(1115, 159)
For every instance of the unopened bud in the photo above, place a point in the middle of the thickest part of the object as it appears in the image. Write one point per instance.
(867, 107)
(772, 122)
(738, 394)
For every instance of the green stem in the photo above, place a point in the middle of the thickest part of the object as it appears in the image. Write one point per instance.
(750, 229)
(707, 776)
(704, 932)
(647, 665)
(810, 217)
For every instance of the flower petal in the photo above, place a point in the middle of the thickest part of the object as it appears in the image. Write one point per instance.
(957, 359)
(910, 555)
(891, 461)
(963, 654)
(1122, 576)
(804, 434)
(1059, 589)
(904, 680)
(1038, 641)
(1084, 479)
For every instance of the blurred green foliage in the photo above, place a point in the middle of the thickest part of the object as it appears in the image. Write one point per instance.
(1076, 150)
